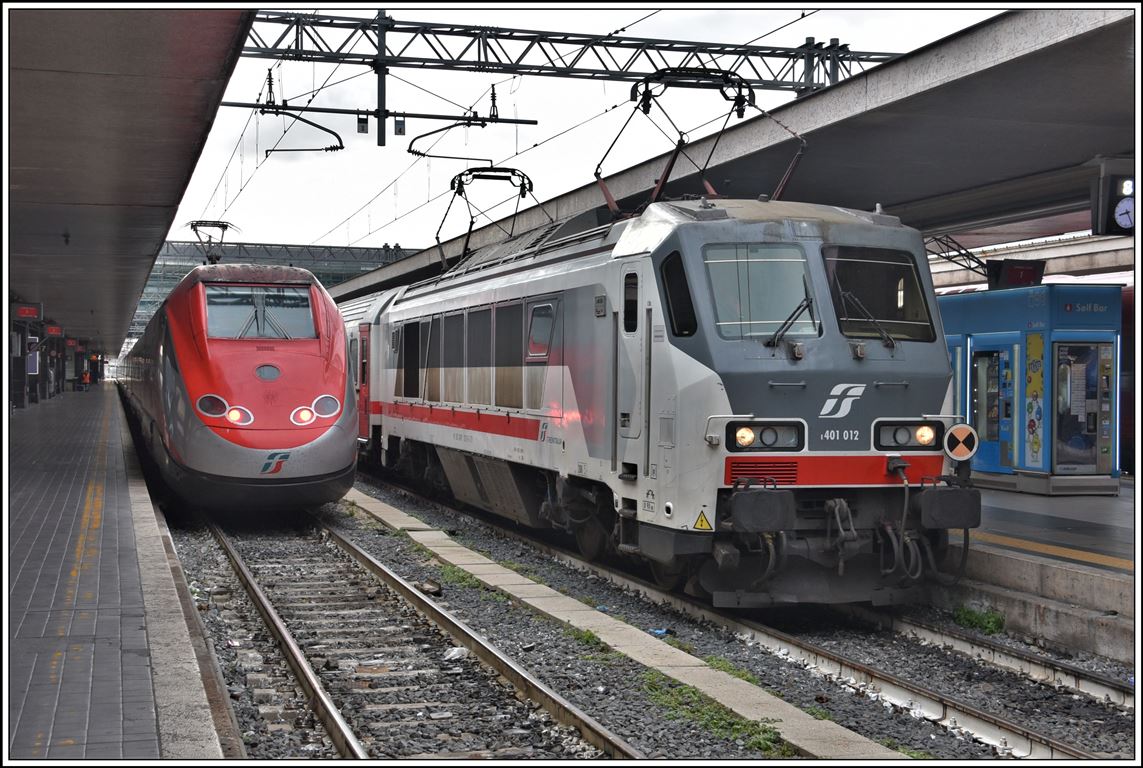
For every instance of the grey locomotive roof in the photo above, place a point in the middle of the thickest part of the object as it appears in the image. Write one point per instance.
(638, 234)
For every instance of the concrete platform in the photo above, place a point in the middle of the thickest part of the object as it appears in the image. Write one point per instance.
(1061, 570)
(99, 660)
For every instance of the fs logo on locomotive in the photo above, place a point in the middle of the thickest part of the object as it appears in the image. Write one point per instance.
(841, 398)
(274, 462)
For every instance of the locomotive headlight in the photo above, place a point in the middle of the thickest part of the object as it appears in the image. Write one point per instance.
(901, 435)
(234, 415)
(744, 437)
(926, 435)
(768, 436)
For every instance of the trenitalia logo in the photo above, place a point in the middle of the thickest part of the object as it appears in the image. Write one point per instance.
(841, 398)
(274, 462)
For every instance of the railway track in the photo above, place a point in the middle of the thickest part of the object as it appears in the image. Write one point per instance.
(1007, 735)
(392, 675)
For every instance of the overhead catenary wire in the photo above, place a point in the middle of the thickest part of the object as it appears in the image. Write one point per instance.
(469, 109)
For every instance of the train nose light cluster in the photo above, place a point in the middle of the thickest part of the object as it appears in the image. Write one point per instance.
(324, 406)
(765, 437)
(916, 436)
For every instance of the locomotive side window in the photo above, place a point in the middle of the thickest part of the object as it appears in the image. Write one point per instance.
(679, 305)
(433, 368)
(396, 341)
(630, 302)
(453, 358)
(509, 355)
(410, 357)
(426, 340)
(479, 351)
(877, 291)
(259, 312)
(757, 287)
(540, 331)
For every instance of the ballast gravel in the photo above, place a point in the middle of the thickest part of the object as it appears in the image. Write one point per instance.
(618, 699)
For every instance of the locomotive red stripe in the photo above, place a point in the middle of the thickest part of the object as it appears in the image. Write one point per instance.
(504, 424)
(829, 470)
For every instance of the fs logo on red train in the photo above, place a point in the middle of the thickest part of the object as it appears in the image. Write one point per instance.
(274, 462)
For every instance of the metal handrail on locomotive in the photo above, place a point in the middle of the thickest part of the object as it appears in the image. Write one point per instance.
(240, 387)
(752, 396)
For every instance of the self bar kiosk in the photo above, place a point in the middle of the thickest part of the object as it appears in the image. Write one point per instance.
(1036, 372)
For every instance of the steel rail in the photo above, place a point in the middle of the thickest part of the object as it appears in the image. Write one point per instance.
(1054, 672)
(560, 708)
(327, 712)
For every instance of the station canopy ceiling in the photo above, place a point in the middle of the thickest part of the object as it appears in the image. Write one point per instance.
(108, 113)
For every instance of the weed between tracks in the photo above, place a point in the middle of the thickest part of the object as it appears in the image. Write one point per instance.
(684, 702)
(989, 622)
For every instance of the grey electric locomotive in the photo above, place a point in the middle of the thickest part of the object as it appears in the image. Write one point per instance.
(752, 396)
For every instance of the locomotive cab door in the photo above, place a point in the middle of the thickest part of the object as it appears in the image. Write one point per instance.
(630, 347)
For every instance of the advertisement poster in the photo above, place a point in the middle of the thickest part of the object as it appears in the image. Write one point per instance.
(1034, 403)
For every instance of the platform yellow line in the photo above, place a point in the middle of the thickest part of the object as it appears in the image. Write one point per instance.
(1049, 549)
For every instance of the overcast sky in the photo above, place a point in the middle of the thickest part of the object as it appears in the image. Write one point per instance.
(367, 195)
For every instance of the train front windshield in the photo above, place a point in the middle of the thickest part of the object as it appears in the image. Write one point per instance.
(757, 288)
(259, 312)
(876, 291)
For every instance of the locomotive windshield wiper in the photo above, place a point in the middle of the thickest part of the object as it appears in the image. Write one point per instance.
(888, 340)
(803, 305)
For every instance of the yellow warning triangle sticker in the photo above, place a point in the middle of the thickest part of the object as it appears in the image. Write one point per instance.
(701, 524)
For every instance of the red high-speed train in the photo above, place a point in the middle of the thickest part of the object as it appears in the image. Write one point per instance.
(241, 389)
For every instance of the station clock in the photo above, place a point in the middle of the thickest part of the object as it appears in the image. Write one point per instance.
(1113, 209)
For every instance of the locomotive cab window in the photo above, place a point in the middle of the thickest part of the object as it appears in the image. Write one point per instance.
(630, 302)
(679, 305)
(259, 312)
(758, 287)
(876, 293)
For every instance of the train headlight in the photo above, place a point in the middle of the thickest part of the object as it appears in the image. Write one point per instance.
(326, 406)
(774, 436)
(240, 416)
(302, 415)
(908, 435)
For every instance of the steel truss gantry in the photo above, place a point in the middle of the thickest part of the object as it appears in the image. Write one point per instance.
(392, 43)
